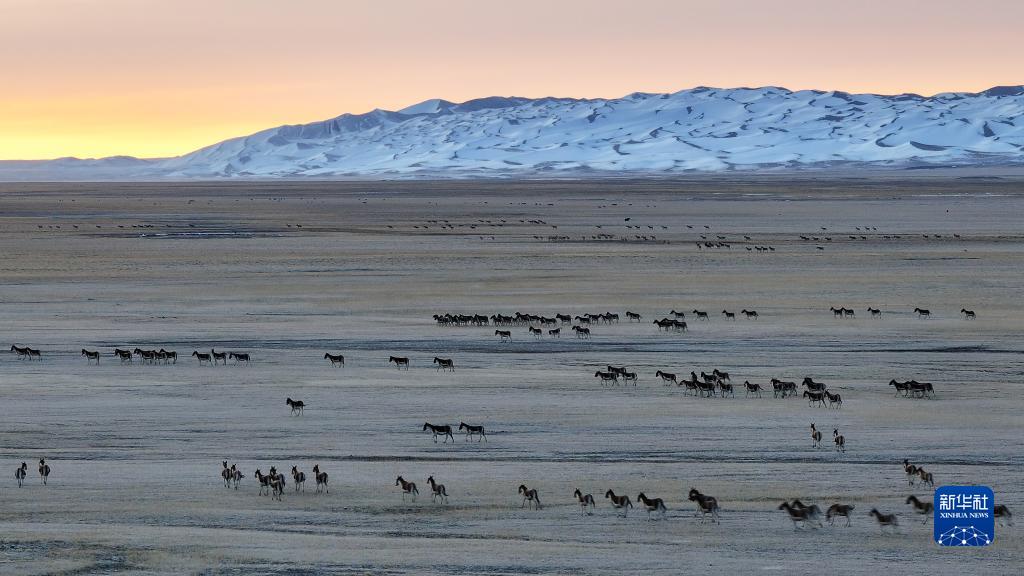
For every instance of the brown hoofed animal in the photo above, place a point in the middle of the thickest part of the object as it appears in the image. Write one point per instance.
(587, 504)
(836, 510)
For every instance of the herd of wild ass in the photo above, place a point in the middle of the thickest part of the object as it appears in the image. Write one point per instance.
(716, 383)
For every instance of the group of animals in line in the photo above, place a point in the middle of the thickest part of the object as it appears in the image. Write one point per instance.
(445, 431)
(21, 472)
(718, 382)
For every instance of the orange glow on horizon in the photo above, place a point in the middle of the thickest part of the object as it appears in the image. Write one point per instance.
(153, 78)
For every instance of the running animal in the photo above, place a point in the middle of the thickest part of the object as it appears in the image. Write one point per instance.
(925, 509)
(437, 491)
(408, 488)
(652, 505)
(885, 520)
(837, 510)
(705, 505)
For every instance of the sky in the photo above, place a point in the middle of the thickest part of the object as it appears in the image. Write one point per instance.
(155, 78)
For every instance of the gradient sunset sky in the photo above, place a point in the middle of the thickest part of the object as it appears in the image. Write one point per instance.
(149, 78)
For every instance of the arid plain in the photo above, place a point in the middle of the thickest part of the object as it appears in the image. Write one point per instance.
(287, 271)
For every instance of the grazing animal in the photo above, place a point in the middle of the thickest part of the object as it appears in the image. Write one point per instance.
(90, 356)
(444, 430)
(470, 430)
(652, 505)
(299, 478)
(837, 510)
(884, 520)
(968, 314)
(506, 335)
(202, 357)
(619, 502)
(585, 500)
(437, 491)
(529, 495)
(750, 314)
(338, 360)
(701, 315)
(1003, 514)
(925, 509)
(813, 397)
(44, 470)
(221, 357)
(875, 312)
(666, 377)
(243, 357)
(20, 472)
(802, 515)
(815, 436)
(833, 399)
(444, 363)
(297, 406)
(408, 488)
(321, 479)
(839, 439)
(705, 505)
(399, 362)
(923, 312)
(729, 315)
(752, 388)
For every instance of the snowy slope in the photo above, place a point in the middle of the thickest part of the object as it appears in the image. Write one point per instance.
(703, 129)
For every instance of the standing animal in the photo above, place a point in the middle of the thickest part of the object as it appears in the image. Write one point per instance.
(911, 471)
(555, 333)
(585, 500)
(399, 361)
(705, 505)
(338, 360)
(90, 356)
(925, 509)
(815, 436)
(619, 502)
(239, 357)
(44, 470)
(968, 314)
(408, 488)
(506, 335)
(923, 312)
(652, 505)
(297, 406)
(202, 357)
(837, 510)
(444, 430)
(666, 377)
(236, 476)
(839, 439)
(321, 479)
(299, 478)
(813, 397)
(20, 472)
(225, 474)
(221, 357)
(607, 376)
(529, 495)
(729, 315)
(875, 312)
(471, 430)
(444, 363)
(833, 399)
(438, 491)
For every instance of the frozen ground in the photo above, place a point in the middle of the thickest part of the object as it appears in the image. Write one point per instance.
(136, 450)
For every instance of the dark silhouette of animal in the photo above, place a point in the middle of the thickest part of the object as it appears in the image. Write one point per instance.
(705, 505)
(444, 363)
(815, 436)
(471, 430)
(438, 491)
(239, 357)
(885, 520)
(875, 312)
(529, 495)
(813, 397)
(506, 335)
(701, 315)
(606, 377)
(20, 472)
(666, 377)
(299, 478)
(44, 470)
(619, 502)
(297, 406)
(729, 315)
(968, 314)
(750, 314)
(90, 356)
(1003, 514)
(221, 357)
(123, 355)
(752, 388)
(839, 440)
(399, 361)
(833, 399)
(836, 510)
(652, 505)
(444, 430)
(925, 509)
(555, 333)
(923, 312)
(586, 501)
(321, 479)
(630, 316)
(802, 515)
(202, 357)
(408, 488)
(338, 360)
